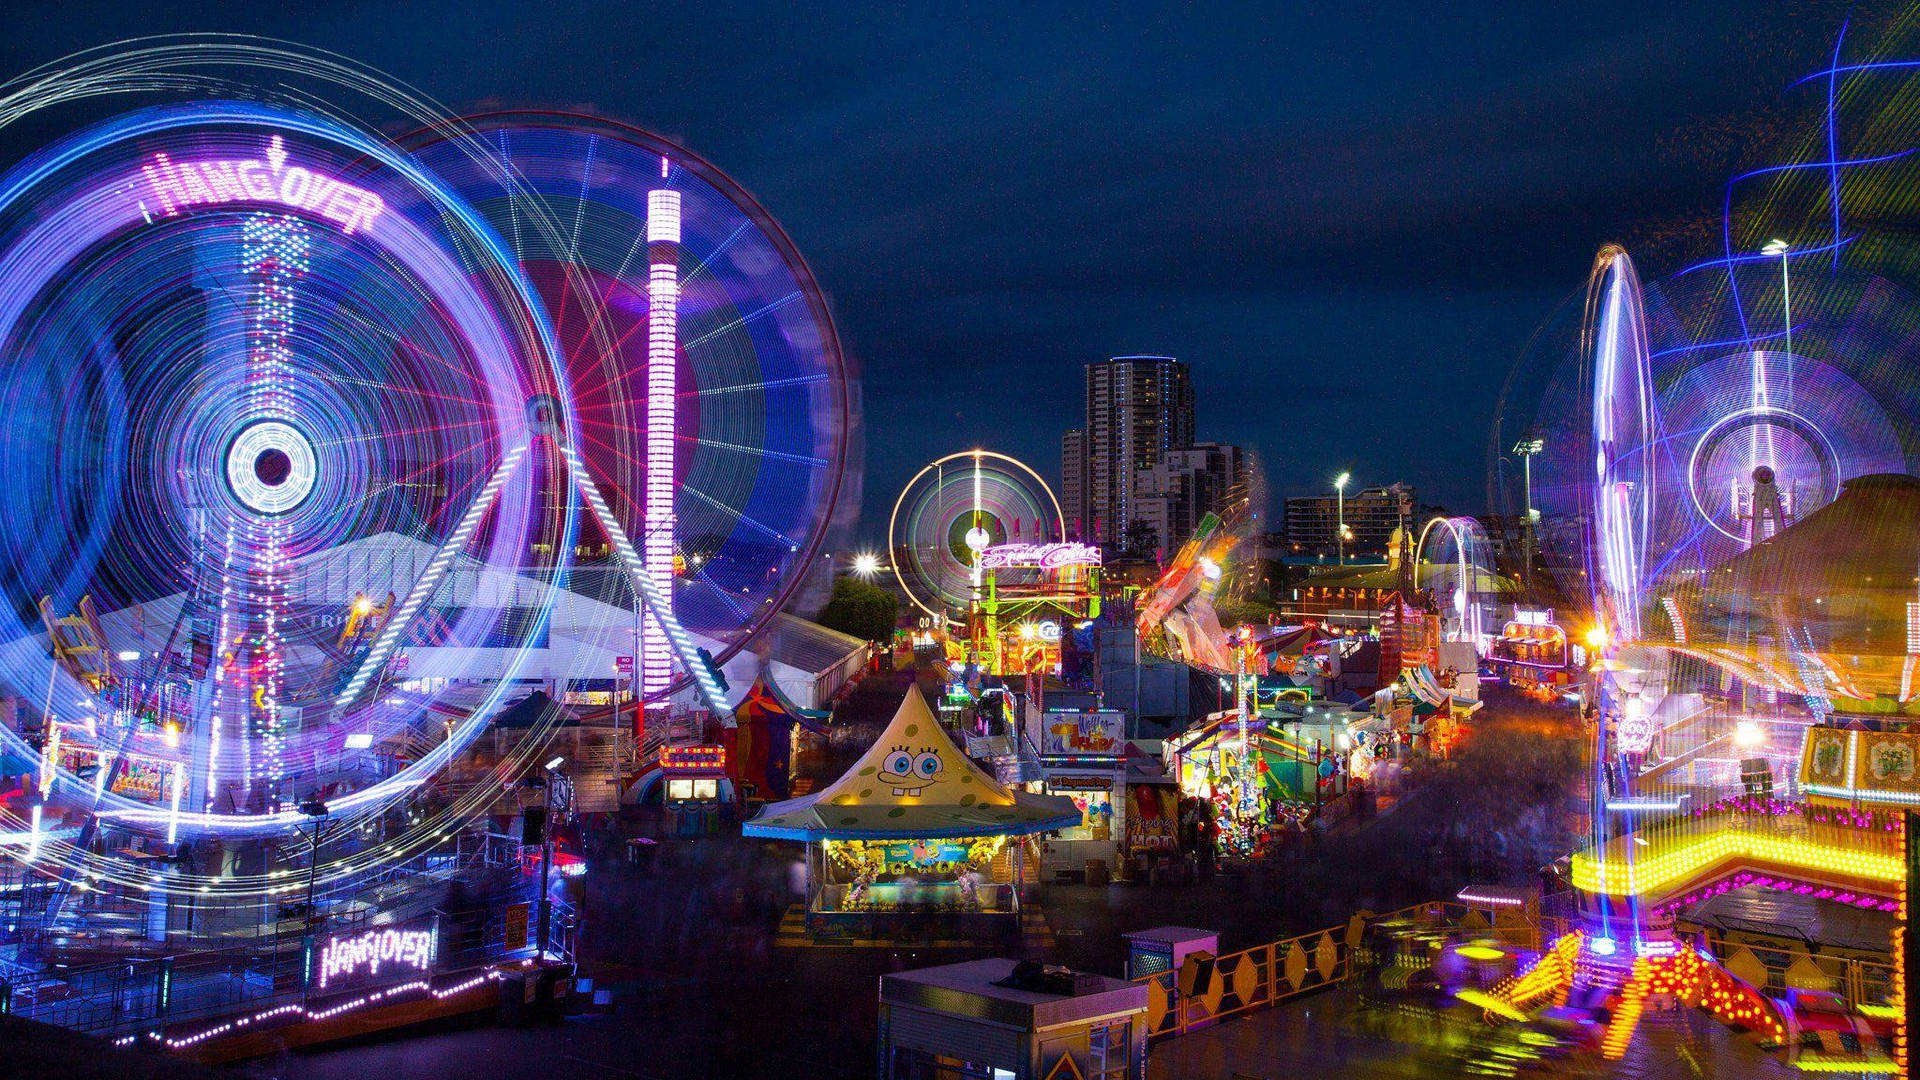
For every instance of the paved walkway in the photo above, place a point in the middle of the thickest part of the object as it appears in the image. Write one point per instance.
(1330, 1037)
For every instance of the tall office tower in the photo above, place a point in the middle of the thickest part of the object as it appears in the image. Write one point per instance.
(1073, 483)
(663, 346)
(1138, 408)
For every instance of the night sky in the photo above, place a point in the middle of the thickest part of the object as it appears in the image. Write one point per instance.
(1347, 217)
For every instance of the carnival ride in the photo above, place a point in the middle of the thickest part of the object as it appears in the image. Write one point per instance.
(977, 540)
(1725, 483)
(1459, 573)
(709, 391)
(313, 442)
(1175, 617)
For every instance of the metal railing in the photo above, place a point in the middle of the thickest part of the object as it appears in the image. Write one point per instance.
(1773, 971)
(193, 988)
(1278, 971)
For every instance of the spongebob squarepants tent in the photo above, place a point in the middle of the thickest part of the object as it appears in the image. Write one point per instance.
(913, 827)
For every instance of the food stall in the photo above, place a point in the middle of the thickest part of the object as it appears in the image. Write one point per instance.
(913, 830)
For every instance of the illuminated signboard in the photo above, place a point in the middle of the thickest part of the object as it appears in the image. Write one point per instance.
(371, 957)
(693, 758)
(1044, 556)
(180, 185)
(1082, 733)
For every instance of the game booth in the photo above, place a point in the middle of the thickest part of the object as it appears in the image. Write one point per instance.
(1269, 780)
(1083, 758)
(914, 836)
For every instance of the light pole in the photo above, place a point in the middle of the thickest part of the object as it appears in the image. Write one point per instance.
(1340, 527)
(1780, 248)
(1526, 448)
(317, 810)
(546, 858)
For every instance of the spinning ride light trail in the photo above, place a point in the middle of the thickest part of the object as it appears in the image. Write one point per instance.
(711, 405)
(1624, 435)
(283, 379)
(944, 521)
(302, 370)
(1623, 491)
(261, 456)
(1466, 590)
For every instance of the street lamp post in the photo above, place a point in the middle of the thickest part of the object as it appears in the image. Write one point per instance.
(1340, 526)
(545, 931)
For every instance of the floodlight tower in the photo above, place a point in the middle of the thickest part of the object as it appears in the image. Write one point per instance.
(1340, 526)
(663, 346)
(1527, 448)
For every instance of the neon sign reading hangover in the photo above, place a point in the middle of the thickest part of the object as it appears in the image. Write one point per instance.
(358, 958)
(178, 185)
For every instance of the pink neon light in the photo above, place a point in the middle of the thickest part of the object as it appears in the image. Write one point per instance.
(180, 185)
(1044, 556)
(369, 952)
(663, 339)
(438, 993)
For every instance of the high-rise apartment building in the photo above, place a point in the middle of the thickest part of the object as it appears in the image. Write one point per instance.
(1138, 408)
(1371, 515)
(1073, 484)
(1183, 487)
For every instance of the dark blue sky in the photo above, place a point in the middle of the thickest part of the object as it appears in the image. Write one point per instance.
(1347, 217)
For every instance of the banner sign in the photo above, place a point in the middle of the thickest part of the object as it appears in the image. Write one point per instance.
(1082, 732)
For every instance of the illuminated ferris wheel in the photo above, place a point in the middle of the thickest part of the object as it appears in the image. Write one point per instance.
(953, 512)
(711, 402)
(303, 483)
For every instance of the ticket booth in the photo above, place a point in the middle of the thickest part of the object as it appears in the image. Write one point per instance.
(694, 788)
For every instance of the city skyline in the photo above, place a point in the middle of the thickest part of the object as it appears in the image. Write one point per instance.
(447, 632)
(966, 222)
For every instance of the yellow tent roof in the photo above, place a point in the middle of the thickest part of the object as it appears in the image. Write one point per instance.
(913, 782)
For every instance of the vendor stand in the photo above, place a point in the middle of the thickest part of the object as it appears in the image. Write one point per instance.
(1152, 814)
(913, 832)
(1249, 786)
(694, 787)
(1082, 758)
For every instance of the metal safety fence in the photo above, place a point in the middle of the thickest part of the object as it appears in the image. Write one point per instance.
(1203, 991)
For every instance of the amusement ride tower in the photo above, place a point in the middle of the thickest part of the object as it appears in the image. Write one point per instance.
(663, 330)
